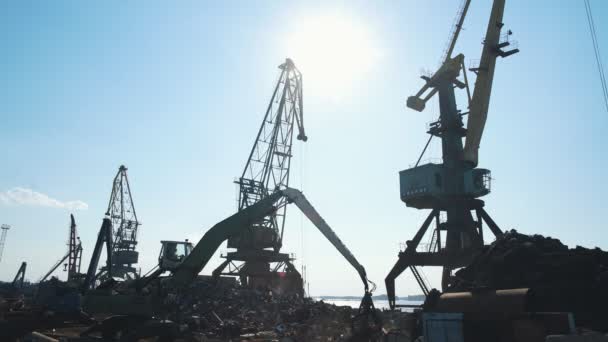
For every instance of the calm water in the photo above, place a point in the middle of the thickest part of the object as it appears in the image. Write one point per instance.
(379, 304)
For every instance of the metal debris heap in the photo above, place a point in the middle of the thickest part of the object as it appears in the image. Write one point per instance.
(560, 279)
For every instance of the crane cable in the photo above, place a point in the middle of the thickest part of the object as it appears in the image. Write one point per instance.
(302, 259)
(596, 49)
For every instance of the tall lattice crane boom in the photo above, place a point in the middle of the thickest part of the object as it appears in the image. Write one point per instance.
(74, 251)
(265, 173)
(268, 165)
(4, 228)
(122, 212)
(73, 255)
(456, 28)
(125, 224)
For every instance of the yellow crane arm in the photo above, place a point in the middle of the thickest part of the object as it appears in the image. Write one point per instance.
(480, 101)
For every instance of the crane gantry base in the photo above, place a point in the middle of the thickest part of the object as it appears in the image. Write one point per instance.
(254, 270)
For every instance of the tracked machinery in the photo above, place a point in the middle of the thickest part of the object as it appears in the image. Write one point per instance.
(138, 299)
(452, 189)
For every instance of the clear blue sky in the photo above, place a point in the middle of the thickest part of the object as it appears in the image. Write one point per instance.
(176, 91)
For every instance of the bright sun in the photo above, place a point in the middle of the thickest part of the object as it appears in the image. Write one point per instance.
(332, 52)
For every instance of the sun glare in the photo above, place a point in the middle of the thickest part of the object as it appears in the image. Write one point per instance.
(333, 52)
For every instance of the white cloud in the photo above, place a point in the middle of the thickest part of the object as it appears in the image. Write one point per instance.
(23, 196)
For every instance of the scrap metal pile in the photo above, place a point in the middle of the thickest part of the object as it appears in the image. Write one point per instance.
(229, 312)
(560, 279)
(204, 312)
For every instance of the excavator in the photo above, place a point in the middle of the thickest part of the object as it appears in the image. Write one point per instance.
(137, 299)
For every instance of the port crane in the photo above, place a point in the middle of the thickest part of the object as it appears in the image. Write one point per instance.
(118, 233)
(73, 255)
(4, 228)
(451, 190)
(267, 170)
(124, 227)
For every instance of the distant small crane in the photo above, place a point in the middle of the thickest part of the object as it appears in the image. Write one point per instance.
(74, 252)
(4, 228)
(73, 255)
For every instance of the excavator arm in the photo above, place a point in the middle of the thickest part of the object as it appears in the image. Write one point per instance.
(104, 236)
(237, 223)
(311, 213)
(214, 237)
(366, 321)
(19, 277)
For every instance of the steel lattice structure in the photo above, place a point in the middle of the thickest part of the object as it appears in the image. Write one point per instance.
(267, 170)
(4, 228)
(73, 256)
(74, 252)
(125, 224)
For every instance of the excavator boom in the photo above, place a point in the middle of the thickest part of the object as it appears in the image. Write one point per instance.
(20, 276)
(194, 263)
(214, 237)
(104, 237)
(237, 223)
(197, 259)
(311, 213)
